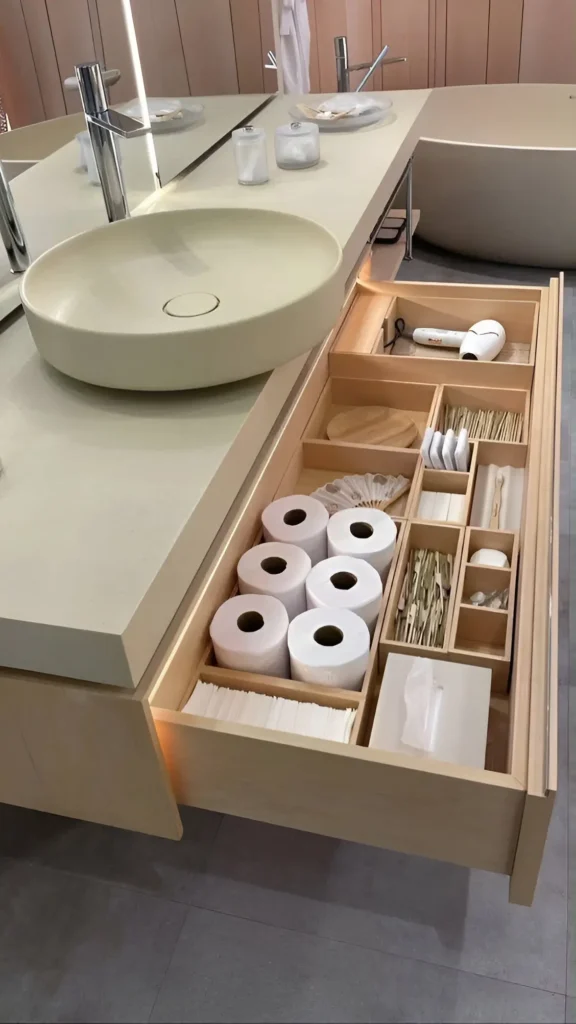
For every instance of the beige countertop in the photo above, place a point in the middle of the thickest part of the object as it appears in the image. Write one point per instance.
(109, 501)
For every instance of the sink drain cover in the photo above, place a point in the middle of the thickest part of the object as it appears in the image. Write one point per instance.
(191, 304)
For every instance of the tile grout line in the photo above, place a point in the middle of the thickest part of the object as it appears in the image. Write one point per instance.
(285, 928)
(374, 949)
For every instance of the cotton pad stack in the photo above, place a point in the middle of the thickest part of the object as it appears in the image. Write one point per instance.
(258, 709)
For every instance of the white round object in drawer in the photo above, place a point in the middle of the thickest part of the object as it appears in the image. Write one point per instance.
(490, 557)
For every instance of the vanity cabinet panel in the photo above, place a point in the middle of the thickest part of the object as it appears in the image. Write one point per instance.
(81, 752)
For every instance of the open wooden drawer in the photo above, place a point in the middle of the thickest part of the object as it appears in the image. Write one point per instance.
(494, 818)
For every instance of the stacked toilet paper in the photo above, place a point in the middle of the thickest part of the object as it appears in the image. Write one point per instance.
(300, 613)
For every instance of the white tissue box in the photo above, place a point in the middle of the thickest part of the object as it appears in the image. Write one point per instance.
(442, 707)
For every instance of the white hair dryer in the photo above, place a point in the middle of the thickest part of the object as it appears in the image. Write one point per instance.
(485, 340)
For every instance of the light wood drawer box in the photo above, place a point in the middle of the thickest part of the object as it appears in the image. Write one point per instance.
(125, 759)
(491, 819)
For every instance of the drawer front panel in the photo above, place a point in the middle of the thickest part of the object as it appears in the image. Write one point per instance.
(350, 794)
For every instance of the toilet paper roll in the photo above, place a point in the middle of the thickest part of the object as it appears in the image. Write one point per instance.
(249, 633)
(329, 646)
(278, 570)
(298, 519)
(345, 582)
(364, 533)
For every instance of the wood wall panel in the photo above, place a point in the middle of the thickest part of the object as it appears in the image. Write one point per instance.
(160, 46)
(439, 27)
(248, 45)
(111, 40)
(268, 43)
(405, 27)
(208, 44)
(314, 56)
(548, 52)
(360, 34)
(504, 40)
(467, 41)
(331, 21)
(19, 86)
(73, 41)
(45, 63)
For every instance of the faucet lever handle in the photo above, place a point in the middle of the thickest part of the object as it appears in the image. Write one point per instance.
(119, 124)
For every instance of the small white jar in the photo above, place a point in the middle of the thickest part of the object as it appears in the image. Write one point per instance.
(249, 144)
(297, 145)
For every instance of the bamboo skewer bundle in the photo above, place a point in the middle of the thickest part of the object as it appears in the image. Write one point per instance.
(422, 612)
(486, 424)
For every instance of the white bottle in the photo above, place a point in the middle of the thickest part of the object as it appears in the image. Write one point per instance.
(485, 340)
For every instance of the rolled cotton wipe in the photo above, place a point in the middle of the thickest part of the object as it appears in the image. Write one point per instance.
(345, 582)
(298, 519)
(366, 533)
(249, 633)
(279, 570)
(329, 646)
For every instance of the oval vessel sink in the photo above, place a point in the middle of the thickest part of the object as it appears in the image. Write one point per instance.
(184, 299)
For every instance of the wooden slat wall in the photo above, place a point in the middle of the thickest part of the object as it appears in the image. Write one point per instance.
(248, 45)
(19, 86)
(204, 47)
(44, 54)
(504, 39)
(73, 39)
(208, 45)
(467, 41)
(406, 29)
(548, 51)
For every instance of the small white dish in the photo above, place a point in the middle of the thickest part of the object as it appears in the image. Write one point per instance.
(177, 117)
(366, 111)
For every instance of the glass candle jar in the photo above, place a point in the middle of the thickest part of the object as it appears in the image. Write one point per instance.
(297, 145)
(249, 145)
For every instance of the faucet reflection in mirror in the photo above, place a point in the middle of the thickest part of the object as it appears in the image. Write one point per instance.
(11, 229)
(104, 124)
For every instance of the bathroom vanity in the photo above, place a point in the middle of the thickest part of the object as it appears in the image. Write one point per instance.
(127, 755)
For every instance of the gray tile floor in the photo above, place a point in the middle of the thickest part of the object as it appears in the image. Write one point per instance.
(247, 922)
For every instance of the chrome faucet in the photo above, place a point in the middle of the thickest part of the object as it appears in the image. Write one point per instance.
(343, 68)
(103, 124)
(11, 230)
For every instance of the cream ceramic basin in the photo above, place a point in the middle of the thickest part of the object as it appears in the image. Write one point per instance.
(184, 299)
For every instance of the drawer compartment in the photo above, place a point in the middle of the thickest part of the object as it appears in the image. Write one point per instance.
(469, 816)
(370, 330)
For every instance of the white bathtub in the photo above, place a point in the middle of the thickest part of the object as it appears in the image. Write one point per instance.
(495, 173)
